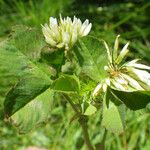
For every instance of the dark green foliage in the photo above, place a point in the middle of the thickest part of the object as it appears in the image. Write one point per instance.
(133, 100)
(53, 57)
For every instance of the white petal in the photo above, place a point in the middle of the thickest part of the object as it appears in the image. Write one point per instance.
(130, 63)
(61, 20)
(123, 53)
(108, 52)
(84, 25)
(65, 37)
(75, 20)
(97, 89)
(53, 21)
(47, 34)
(56, 34)
(125, 48)
(143, 75)
(46, 30)
(106, 68)
(107, 81)
(87, 30)
(86, 22)
(79, 23)
(145, 86)
(121, 80)
(60, 45)
(118, 85)
(104, 87)
(140, 66)
(50, 41)
(132, 82)
(74, 37)
(116, 46)
(69, 21)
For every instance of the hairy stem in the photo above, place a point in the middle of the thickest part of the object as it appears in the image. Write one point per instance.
(83, 123)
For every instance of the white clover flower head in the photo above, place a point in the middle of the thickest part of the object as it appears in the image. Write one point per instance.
(129, 76)
(65, 32)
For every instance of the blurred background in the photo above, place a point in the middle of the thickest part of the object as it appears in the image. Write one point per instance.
(130, 19)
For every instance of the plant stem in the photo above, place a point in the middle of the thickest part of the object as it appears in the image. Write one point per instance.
(72, 104)
(125, 141)
(101, 145)
(83, 123)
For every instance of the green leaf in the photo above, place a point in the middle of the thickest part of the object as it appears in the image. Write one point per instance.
(34, 113)
(90, 110)
(28, 40)
(113, 118)
(66, 84)
(24, 91)
(133, 100)
(19, 72)
(11, 64)
(92, 57)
